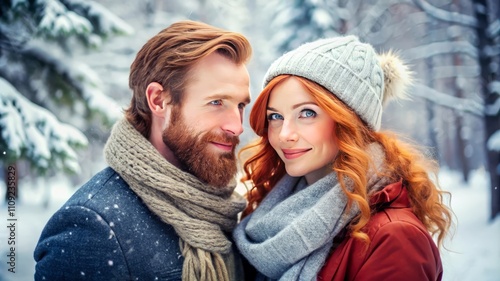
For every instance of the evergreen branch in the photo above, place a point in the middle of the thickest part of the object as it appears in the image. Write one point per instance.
(447, 16)
(34, 133)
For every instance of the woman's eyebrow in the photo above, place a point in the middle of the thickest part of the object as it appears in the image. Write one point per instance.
(294, 106)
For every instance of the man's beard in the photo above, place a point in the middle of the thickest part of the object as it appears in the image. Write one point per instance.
(192, 151)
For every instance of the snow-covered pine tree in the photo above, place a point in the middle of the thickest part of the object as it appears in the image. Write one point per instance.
(38, 76)
(303, 21)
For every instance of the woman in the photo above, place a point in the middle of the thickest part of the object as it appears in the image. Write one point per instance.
(333, 198)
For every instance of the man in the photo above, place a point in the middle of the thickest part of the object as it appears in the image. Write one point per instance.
(163, 208)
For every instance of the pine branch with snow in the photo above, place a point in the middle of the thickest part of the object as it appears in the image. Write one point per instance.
(304, 21)
(88, 21)
(32, 132)
(42, 84)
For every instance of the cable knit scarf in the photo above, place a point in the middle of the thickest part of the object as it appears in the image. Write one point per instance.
(289, 236)
(200, 214)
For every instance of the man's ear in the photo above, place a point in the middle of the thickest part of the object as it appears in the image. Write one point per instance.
(157, 99)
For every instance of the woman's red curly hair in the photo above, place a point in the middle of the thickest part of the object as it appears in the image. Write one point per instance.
(263, 168)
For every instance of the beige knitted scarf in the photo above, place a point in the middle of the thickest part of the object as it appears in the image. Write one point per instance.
(200, 214)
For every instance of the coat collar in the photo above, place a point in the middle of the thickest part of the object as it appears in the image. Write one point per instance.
(394, 195)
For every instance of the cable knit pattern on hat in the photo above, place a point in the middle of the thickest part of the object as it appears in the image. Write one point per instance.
(344, 66)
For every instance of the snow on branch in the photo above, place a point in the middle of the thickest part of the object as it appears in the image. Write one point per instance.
(34, 133)
(493, 29)
(83, 79)
(439, 48)
(493, 143)
(493, 108)
(460, 104)
(57, 21)
(494, 87)
(105, 22)
(451, 17)
(88, 20)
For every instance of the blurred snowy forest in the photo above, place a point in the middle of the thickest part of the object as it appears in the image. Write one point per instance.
(64, 71)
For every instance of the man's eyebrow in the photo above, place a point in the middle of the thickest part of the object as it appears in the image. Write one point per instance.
(226, 97)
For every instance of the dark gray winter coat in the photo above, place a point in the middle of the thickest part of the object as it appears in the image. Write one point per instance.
(105, 232)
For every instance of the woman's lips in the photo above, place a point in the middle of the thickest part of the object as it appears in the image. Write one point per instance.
(294, 153)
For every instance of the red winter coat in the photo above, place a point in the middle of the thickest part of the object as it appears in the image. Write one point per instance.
(400, 246)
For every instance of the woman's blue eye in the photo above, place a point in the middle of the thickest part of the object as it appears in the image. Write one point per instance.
(274, 116)
(307, 113)
(216, 102)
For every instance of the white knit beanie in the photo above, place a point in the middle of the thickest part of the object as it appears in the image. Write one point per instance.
(349, 69)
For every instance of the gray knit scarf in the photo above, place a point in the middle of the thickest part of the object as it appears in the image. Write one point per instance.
(200, 214)
(290, 234)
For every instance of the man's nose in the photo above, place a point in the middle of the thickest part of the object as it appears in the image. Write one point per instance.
(233, 123)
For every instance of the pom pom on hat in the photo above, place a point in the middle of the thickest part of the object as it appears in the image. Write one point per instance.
(349, 69)
(397, 77)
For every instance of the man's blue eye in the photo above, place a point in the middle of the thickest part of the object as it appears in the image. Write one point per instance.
(216, 102)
